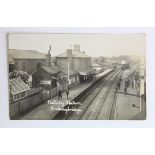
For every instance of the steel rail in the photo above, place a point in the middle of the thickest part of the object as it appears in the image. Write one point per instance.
(96, 92)
(92, 92)
(95, 114)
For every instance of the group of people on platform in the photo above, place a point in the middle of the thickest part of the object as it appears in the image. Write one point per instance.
(60, 93)
(127, 82)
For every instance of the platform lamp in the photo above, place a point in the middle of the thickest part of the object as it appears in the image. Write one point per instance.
(68, 73)
(68, 69)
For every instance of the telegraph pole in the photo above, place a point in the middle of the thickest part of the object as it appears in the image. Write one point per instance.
(68, 72)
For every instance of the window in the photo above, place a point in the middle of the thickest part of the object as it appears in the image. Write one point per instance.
(38, 65)
(22, 94)
(15, 97)
(18, 96)
(23, 66)
(16, 66)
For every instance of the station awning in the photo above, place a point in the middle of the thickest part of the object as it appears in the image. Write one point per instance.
(86, 71)
(83, 73)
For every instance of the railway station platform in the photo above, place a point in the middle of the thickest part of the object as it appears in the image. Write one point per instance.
(129, 106)
(43, 111)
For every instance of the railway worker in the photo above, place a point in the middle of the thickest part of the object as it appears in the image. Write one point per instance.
(59, 94)
(67, 92)
(119, 85)
(133, 83)
(128, 82)
(126, 85)
(125, 91)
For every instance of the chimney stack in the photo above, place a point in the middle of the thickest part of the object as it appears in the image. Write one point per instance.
(48, 58)
(69, 55)
(76, 48)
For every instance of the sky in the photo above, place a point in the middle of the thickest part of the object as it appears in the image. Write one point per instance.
(101, 44)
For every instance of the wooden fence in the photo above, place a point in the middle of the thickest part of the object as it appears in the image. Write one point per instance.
(28, 103)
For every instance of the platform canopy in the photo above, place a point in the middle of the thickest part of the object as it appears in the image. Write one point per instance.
(86, 71)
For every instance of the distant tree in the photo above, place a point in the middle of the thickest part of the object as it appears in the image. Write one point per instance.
(25, 78)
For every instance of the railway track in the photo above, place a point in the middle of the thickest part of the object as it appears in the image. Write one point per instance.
(99, 103)
(107, 108)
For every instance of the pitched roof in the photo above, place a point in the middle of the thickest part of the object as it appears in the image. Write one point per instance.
(71, 71)
(18, 86)
(25, 54)
(75, 54)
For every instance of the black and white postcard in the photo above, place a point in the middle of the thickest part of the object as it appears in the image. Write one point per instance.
(77, 76)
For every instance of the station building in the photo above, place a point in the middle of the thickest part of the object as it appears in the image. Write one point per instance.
(78, 62)
(26, 60)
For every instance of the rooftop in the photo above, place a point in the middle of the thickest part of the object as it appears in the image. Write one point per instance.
(75, 54)
(25, 54)
(18, 86)
(52, 69)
